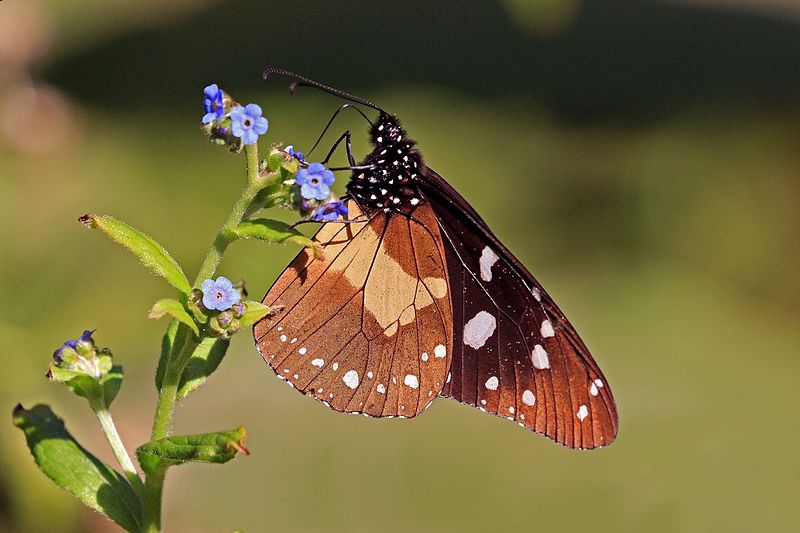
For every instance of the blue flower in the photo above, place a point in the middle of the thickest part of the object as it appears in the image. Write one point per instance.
(330, 212)
(220, 294)
(297, 155)
(213, 103)
(247, 123)
(315, 181)
(83, 344)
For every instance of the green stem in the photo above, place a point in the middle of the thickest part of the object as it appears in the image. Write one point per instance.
(223, 238)
(114, 440)
(151, 500)
(185, 343)
(182, 351)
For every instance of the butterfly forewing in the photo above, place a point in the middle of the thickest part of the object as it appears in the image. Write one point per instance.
(514, 352)
(368, 327)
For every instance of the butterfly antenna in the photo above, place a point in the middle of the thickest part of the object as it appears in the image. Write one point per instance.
(301, 80)
(328, 125)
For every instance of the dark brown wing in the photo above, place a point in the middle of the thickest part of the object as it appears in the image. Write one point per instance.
(514, 352)
(368, 328)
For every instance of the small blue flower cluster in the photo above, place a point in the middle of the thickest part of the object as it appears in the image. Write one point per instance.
(315, 186)
(294, 154)
(219, 295)
(246, 122)
(86, 345)
(330, 212)
(82, 356)
(315, 181)
(224, 117)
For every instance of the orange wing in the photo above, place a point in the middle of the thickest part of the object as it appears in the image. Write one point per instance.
(368, 328)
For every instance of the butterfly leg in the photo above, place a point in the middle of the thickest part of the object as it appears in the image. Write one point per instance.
(349, 148)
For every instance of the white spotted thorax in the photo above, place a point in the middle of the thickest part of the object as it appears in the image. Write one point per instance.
(390, 184)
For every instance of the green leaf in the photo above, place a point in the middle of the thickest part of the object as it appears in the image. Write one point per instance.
(167, 343)
(265, 198)
(99, 391)
(149, 252)
(275, 159)
(254, 311)
(218, 448)
(204, 361)
(111, 383)
(76, 470)
(273, 231)
(168, 306)
(80, 383)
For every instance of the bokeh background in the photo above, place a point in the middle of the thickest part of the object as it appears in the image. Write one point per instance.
(641, 156)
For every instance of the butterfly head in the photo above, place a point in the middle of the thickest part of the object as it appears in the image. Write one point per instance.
(387, 131)
(390, 184)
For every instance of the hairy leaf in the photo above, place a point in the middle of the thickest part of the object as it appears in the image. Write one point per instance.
(204, 361)
(76, 470)
(266, 229)
(149, 252)
(169, 306)
(254, 311)
(219, 447)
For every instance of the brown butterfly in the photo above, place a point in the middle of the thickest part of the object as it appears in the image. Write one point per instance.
(416, 298)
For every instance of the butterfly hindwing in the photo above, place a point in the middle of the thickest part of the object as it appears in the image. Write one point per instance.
(367, 328)
(514, 352)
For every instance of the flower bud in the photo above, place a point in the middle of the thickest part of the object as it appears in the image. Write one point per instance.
(238, 309)
(224, 318)
(196, 298)
(82, 357)
(233, 327)
(85, 344)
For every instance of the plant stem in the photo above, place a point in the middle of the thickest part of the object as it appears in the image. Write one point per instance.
(151, 500)
(114, 440)
(182, 351)
(223, 239)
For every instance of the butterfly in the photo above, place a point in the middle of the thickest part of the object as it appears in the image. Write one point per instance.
(415, 298)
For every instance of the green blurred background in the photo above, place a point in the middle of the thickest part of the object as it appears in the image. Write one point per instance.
(642, 157)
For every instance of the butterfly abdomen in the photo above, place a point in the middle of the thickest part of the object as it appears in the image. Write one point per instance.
(391, 182)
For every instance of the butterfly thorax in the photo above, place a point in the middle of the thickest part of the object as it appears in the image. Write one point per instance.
(390, 182)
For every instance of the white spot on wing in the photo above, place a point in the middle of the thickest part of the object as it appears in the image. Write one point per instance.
(593, 390)
(381, 388)
(528, 398)
(479, 328)
(350, 379)
(537, 294)
(411, 380)
(582, 413)
(336, 366)
(511, 409)
(547, 329)
(318, 362)
(424, 356)
(369, 374)
(487, 260)
(539, 357)
(302, 351)
(283, 338)
(440, 350)
(492, 383)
